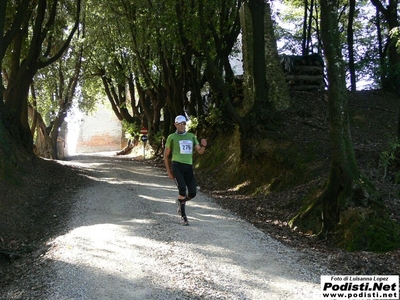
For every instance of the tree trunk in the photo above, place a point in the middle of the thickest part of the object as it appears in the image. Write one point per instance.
(278, 93)
(213, 76)
(11, 155)
(304, 38)
(309, 28)
(16, 116)
(43, 143)
(391, 78)
(350, 42)
(265, 89)
(55, 130)
(257, 12)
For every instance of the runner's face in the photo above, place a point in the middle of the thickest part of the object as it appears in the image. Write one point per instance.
(180, 125)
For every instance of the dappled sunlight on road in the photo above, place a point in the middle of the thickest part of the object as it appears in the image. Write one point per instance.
(125, 241)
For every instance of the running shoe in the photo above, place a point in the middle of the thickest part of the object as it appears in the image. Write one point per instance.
(184, 221)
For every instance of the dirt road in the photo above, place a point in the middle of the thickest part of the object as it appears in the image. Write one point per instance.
(125, 241)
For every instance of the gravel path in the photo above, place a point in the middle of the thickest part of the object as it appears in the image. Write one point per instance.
(124, 241)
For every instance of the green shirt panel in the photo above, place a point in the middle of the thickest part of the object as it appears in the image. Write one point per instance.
(182, 146)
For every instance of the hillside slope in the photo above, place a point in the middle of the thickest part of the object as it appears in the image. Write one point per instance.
(374, 119)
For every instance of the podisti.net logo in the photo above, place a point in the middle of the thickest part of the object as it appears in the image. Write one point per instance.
(382, 287)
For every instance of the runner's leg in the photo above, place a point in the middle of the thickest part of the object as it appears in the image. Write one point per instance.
(191, 183)
(179, 172)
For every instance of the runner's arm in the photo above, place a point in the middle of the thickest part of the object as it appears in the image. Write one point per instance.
(201, 148)
(167, 152)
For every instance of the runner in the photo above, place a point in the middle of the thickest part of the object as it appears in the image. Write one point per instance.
(181, 145)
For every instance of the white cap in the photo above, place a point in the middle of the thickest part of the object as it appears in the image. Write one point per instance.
(180, 119)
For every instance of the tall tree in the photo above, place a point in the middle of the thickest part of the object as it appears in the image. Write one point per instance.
(213, 69)
(395, 35)
(58, 86)
(265, 90)
(391, 68)
(128, 60)
(32, 44)
(256, 92)
(344, 181)
(308, 22)
(350, 44)
(346, 187)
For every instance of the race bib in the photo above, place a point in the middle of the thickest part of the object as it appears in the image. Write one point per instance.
(186, 147)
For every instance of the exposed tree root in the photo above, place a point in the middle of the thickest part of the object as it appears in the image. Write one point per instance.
(128, 148)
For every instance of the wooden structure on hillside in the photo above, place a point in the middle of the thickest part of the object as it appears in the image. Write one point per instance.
(303, 73)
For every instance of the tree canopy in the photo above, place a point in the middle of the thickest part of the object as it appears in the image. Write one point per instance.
(153, 60)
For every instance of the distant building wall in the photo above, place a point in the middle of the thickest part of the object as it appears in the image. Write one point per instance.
(99, 132)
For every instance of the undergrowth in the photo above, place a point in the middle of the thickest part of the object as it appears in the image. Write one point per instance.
(368, 229)
(390, 160)
(280, 166)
